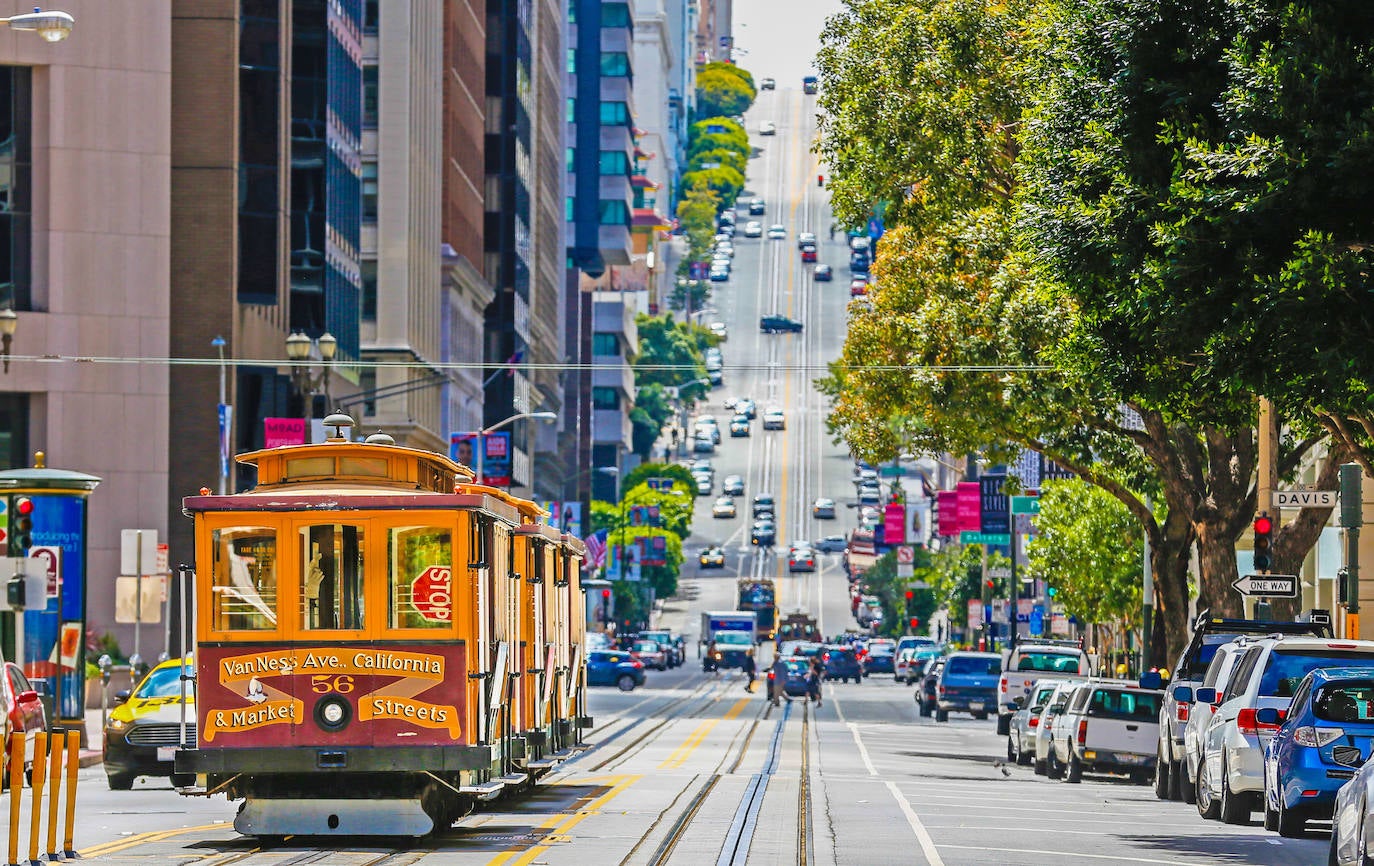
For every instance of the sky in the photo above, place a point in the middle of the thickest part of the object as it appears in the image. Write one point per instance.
(779, 38)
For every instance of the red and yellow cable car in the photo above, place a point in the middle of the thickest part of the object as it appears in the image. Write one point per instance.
(379, 642)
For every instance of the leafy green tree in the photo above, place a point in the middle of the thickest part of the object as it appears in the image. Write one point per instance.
(681, 475)
(651, 411)
(697, 212)
(716, 132)
(723, 91)
(694, 292)
(669, 355)
(726, 68)
(727, 158)
(724, 181)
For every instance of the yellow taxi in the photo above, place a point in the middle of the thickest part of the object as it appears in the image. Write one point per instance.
(144, 728)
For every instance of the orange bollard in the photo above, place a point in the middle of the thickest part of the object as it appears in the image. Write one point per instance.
(73, 765)
(56, 747)
(16, 791)
(40, 753)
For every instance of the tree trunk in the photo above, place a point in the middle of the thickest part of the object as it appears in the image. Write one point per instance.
(1169, 552)
(1216, 550)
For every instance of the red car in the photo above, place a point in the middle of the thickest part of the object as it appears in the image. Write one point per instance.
(22, 711)
(808, 253)
(858, 288)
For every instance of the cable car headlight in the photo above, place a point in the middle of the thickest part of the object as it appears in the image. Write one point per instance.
(332, 713)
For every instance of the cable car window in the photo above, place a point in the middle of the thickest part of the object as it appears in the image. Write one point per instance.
(332, 576)
(243, 588)
(420, 577)
(309, 467)
(374, 467)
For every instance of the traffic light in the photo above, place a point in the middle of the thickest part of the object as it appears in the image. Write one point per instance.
(1052, 592)
(1264, 533)
(915, 623)
(910, 594)
(605, 607)
(21, 526)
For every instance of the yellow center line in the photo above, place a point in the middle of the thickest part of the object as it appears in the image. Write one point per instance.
(684, 751)
(592, 808)
(738, 707)
(143, 839)
(786, 372)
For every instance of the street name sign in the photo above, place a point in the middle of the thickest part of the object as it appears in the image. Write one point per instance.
(1304, 499)
(1268, 585)
(1025, 505)
(1002, 538)
(892, 471)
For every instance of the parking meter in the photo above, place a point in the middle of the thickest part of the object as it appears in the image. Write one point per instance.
(104, 663)
(136, 668)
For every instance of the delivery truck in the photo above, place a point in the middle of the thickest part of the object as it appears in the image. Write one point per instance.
(732, 631)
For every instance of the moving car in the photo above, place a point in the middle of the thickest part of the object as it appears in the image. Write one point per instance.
(144, 728)
(832, 544)
(675, 646)
(881, 657)
(777, 232)
(753, 229)
(1231, 774)
(757, 207)
(801, 559)
(724, 507)
(779, 324)
(795, 684)
(712, 557)
(731, 648)
(1109, 726)
(841, 663)
(810, 84)
(614, 668)
(774, 419)
(823, 509)
(767, 84)
(768, 127)
(763, 503)
(764, 533)
(823, 273)
(733, 485)
(739, 426)
(703, 484)
(904, 662)
(1324, 739)
(808, 253)
(967, 684)
(804, 238)
(745, 406)
(650, 654)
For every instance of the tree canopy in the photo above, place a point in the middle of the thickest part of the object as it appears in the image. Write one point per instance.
(723, 90)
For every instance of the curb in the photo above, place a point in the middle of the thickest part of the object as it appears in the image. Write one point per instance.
(90, 759)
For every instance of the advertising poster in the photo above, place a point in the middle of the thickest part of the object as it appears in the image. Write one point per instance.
(949, 512)
(283, 431)
(495, 463)
(970, 506)
(894, 524)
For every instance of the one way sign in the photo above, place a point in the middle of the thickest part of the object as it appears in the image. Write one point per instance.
(1268, 585)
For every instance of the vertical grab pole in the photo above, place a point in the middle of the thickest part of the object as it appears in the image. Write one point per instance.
(56, 746)
(40, 754)
(73, 765)
(16, 793)
(181, 647)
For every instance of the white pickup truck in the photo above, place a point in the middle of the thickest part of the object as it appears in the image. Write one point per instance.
(1030, 661)
(1111, 726)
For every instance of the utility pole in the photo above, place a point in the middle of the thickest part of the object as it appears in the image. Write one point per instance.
(1352, 517)
(1267, 469)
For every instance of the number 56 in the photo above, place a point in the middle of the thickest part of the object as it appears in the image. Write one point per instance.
(322, 684)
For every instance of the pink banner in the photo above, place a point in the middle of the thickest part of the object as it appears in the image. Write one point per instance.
(894, 524)
(283, 431)
(949, 512)
(970, 508)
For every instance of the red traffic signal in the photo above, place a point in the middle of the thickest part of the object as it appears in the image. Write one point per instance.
(910, 594)
(988, 584)
(1264, 552)
(605, 593)
(23, 505)
(915, 623)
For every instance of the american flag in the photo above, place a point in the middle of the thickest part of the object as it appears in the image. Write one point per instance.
(596, 549)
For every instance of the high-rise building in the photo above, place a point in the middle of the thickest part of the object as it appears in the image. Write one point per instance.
(266, 213)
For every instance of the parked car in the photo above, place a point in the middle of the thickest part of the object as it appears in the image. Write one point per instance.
(1352, 819)
(858, 288)
(1109, 726)
(823, 273)
(967, 684)
(922, 655)
(767, 84)
(723, 507)
(21, 715)
(841, 663)
(1030, 661)
(776, 324)
(614, 668)
(650, 653)
(757, 207)
(1026, 719)
(733, 485)
(1216, 678)
(712, 557)
(719, 330)
(143, 730)
(927, 690)
(1320, 743)
(823, 509)
(832, 544)
(1231, 774)
(881, 657)
(1050, 719)
(1209, 634)
(904, 661)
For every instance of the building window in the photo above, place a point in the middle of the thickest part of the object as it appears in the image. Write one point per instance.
(616, 15)
(568, 210)
(370, 191)
(16, 94)
(615, 114)
(572, 61)
(615, 64)
(259, 148)
(372, 15)
(614, 162)
(572, 158)
(14, 431)
(369, 272)
(370, 74)
(572, 110)
(605, 398)
(612, 212)
(605, 344)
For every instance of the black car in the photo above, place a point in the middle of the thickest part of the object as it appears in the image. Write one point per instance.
(823, 274)
(859, 262)
(930, 677)
(779, 324)
(842, 663)
(757, 207)
(764, 533)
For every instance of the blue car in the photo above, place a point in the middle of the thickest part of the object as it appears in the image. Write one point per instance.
(968, 684)
(1323, 740)
(614, 668)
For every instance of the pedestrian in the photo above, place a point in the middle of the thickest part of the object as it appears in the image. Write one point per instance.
(780, 681)
(750, 670)
(832, 231)
(813, 681)
(711, 665)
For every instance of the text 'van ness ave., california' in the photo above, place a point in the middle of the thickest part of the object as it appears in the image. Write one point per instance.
(322, 660)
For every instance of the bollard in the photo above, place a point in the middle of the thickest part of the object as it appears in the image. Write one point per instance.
(16, 791)
(40, 752)
(56, 746)
(73, 765)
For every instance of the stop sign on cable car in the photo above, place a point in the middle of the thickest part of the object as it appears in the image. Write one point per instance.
(431, 593)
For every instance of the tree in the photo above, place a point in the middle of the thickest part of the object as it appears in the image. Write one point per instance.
(722, 91)
(669, 355)
(724, 181)
(696, 213)
(652, 410)
(716, 132)
(729, 158)
(681, 475)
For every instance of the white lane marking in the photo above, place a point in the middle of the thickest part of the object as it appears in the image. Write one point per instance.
(1115, 858)
(863, 751)
(922, 836)
(834, 702)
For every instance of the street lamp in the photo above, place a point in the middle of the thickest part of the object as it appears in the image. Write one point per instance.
(547, 417)
(9, 323)
(307, 382)
(52, 26)
(225, 417)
